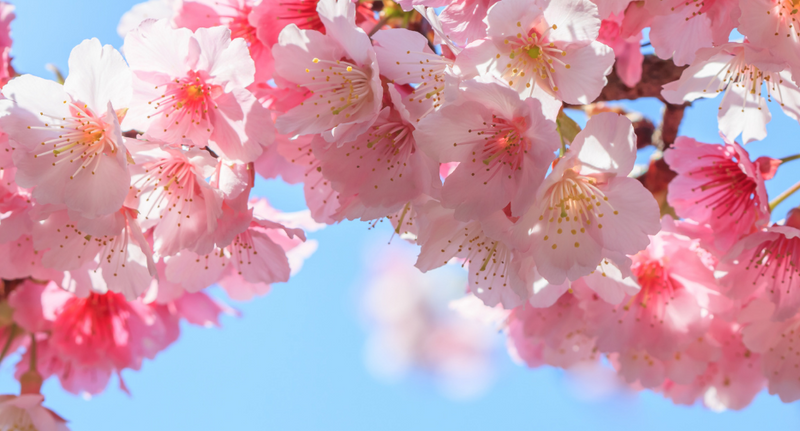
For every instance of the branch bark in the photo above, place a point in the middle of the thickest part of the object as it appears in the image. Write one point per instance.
(655, 73)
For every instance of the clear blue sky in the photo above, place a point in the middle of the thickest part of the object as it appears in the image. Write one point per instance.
(293, 361)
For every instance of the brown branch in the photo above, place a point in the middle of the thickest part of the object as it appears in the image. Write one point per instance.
(655, 73)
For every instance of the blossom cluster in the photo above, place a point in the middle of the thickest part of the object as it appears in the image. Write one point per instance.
(126, 188)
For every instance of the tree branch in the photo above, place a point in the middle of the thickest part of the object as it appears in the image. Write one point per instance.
(655, 73)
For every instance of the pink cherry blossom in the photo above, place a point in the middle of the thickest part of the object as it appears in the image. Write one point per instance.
(25, 412)
(777, 342)
(85, 168)
(193, 86)
(665, 316)
(504, 146)
(464, 21)
(246, 267)
(771, 24)
(551, 48)
(6, 16)
(239, 16)
(744, 73)
(587, 209)
(169, 184)
(270, 17)
(152, 9)
(340, 70)
(679, 28)
(730, 382)
(480, 244)
(385, 167)
(764, 264)
(717, 185)
(627, 50)
(110, 253)
(557, 335)
(405, 58)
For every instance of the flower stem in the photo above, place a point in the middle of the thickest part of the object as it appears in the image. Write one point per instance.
(33, 352)
(782, 197)
(790, 158)
(379, 25)
(12, 333)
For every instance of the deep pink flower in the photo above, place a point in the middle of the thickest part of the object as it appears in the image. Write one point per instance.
(627, 50)
(717, 185)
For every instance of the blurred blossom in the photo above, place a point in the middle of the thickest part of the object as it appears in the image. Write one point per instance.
(414, 331)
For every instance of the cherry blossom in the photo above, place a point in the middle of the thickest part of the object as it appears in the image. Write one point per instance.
(587, 209)
(504, 146)
(338, 68)
(193, 86)
(552, 48)
(79, 122)
(717, 185)
(741, 71)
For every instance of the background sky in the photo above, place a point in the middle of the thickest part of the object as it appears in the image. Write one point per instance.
(294, 359)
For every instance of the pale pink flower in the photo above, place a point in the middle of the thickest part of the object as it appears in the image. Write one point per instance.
(556, 335)
(239, 16)
(384, 166)
(772, 24)
(404, 57)
(70, 144)
(173, 195)
(464, 21)
(25, 412)
(200, 309)
(193, 86)
(587, 209)
(412, 326)
(246, 267)
(272, 163)
(109, 253)
(717, 185)
(608, 8)
(549, 49)
(151, 9)
(731, 381)
(504, 146)
(778, 344)
(19, 259)
(680, 28)
(765, 264)
(665, 315)
(480, 244)
(340, 70)
(627, 50)
(749, 76)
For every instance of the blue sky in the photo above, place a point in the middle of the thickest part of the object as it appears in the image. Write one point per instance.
(294, 360)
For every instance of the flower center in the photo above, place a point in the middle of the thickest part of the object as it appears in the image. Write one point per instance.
(15, 419)
(186, 99)
(654, 281)
(342, 85)
(532, 57)
(83, 137)
(727, 189)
